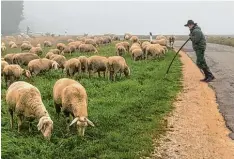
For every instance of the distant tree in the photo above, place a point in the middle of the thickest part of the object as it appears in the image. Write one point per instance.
(12, 15)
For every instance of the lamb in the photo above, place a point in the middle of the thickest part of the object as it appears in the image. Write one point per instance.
(49, 54)
(134, 39)
(71, 97)
(61, 46)
(13, 46)
(120, 50)
(40, 65)
(171, 41)
(97, 64)
(13, 73)
(117, 64)
(91, 41)
(84, 63)
(36, 50)
(25, 100)
(60, 59)
(161, 42)
(3, 65)
(72, 66)
(25, 46)
(154, 50)
(9, 58)
(125, 44)
(137, 54)
(47, 44)
(55, 51)
(24, 58)
(87, 48)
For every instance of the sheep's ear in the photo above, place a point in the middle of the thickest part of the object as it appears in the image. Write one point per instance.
(90, 122)
(74, 121)
(39, 125)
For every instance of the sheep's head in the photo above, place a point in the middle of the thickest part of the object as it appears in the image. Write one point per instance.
(127, 71)
(26, 73)
(45, 125)
(55, 65)
(82, 123)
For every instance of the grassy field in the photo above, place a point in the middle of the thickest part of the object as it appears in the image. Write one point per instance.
(127, 114)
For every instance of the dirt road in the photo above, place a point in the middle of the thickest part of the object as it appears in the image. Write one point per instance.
(196, 128)
(220, 59)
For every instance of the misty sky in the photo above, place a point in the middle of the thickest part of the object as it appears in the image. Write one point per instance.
(133, 17)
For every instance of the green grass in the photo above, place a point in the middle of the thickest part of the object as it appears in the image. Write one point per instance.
(127, 114)
(221, 40)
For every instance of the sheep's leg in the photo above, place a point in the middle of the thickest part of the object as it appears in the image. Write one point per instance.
(67, 120)
(104, 74)
(6, 79)
(11, 117)
(57, 108)
(114, 76)
(99, 74)
(30, 126)
(20, 120)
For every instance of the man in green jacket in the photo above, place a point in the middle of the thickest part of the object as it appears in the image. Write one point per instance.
(199, 46)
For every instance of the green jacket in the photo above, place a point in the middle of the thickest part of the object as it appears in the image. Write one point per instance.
(197, 38)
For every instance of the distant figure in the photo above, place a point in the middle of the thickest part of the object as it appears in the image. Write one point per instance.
(28, 29)
(199, 46)
(151, 36)
(65, 33)
(171, 41)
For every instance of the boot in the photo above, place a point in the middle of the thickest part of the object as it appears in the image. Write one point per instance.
(206, 75)
(210, 76)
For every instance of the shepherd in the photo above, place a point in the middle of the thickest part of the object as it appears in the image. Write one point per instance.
(199, 46)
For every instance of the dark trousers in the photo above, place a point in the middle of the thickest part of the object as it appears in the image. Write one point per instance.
(201, 61)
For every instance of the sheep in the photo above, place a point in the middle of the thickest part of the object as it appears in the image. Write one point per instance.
(144, 45)
(159, 37)
(3, 44)
(27, 42)
(40, 65)
(71, 97)
(87, 48)
(13, 73)
(72, 48)
(125, 44)
(171, 41)
(25, 100)
(134, 46)
(137, 54)
(13, 46)
(55, 51)
(61, 46)
(97, 64)
(161, 42)
(3, 48)
(24, 58)
(84, 63)
(116, 38)
(70, 40)
(91, 41)
(60, 59)
(106, 39)
(98, 40)
(11, 43)
(117, 64)
(154, 50)
(3, 65)
(134, 39)
(75, 43)
(49, 54)
(36, 50)
(127, 36)
(25, 46)
(72, 66)
(66, 50)
(47, 44)
(9, 58)
(120, 50)
(38, 45)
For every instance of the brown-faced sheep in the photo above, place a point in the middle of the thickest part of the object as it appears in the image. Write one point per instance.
(24, 58)
(47, 44)
(120, 50)
(60, 59)
(97, 64)
(61, 46)
(154, 50)
(71, 97)
(72, 66)
(76, 44)
(87, 48)
(25, 46)
(66, 50)
(117, 64)
(13, 73)
(106, 39)
(36, 50)
(41, 65)
(25, 100)
(134, 46)
(116, 38)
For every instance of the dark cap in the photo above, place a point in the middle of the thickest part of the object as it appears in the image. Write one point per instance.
(190, 22)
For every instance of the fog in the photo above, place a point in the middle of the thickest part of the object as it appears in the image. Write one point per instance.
(118, 17)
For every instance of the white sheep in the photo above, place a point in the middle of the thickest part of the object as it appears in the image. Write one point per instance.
(97, 64)
(154, 50)
(71, 97)
(117, 64)
(137, 54)
(24, 58)
(40, 65)
(25, 100)
(72, 66)
(13, 73)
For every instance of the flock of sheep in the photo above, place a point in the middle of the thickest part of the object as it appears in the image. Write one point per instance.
(69, 95)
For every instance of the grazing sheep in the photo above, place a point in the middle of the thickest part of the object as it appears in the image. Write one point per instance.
(99, 40)
(9, 58)
(36, 50)
(116, 38)
(13, 73)
(55, 51)
(3, 65)
(70, 40)
(72, 48)
(134, 46)
(161, 42)
(144, 45)
(97, 64)
(134, 39)
(25, 46)
(24, 58)
(117, 64)
(27, 42)
(3, 48)
(87, 48)
(61, 46)
(125, 44)
(120, 50)
(11, 43)
(84, 63)
(155, 50)
(66, 50)
(47, 44)
(91, 41)
(76, 44)
(25, 100)
(171, 41)
(41, 65)
(71, 97)
(127, 36)
(13, 46)
(49, 54)
(72, 66)
(137, 54)
(106, 39)
(60, 59)
(38, 45)
(159, 37)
